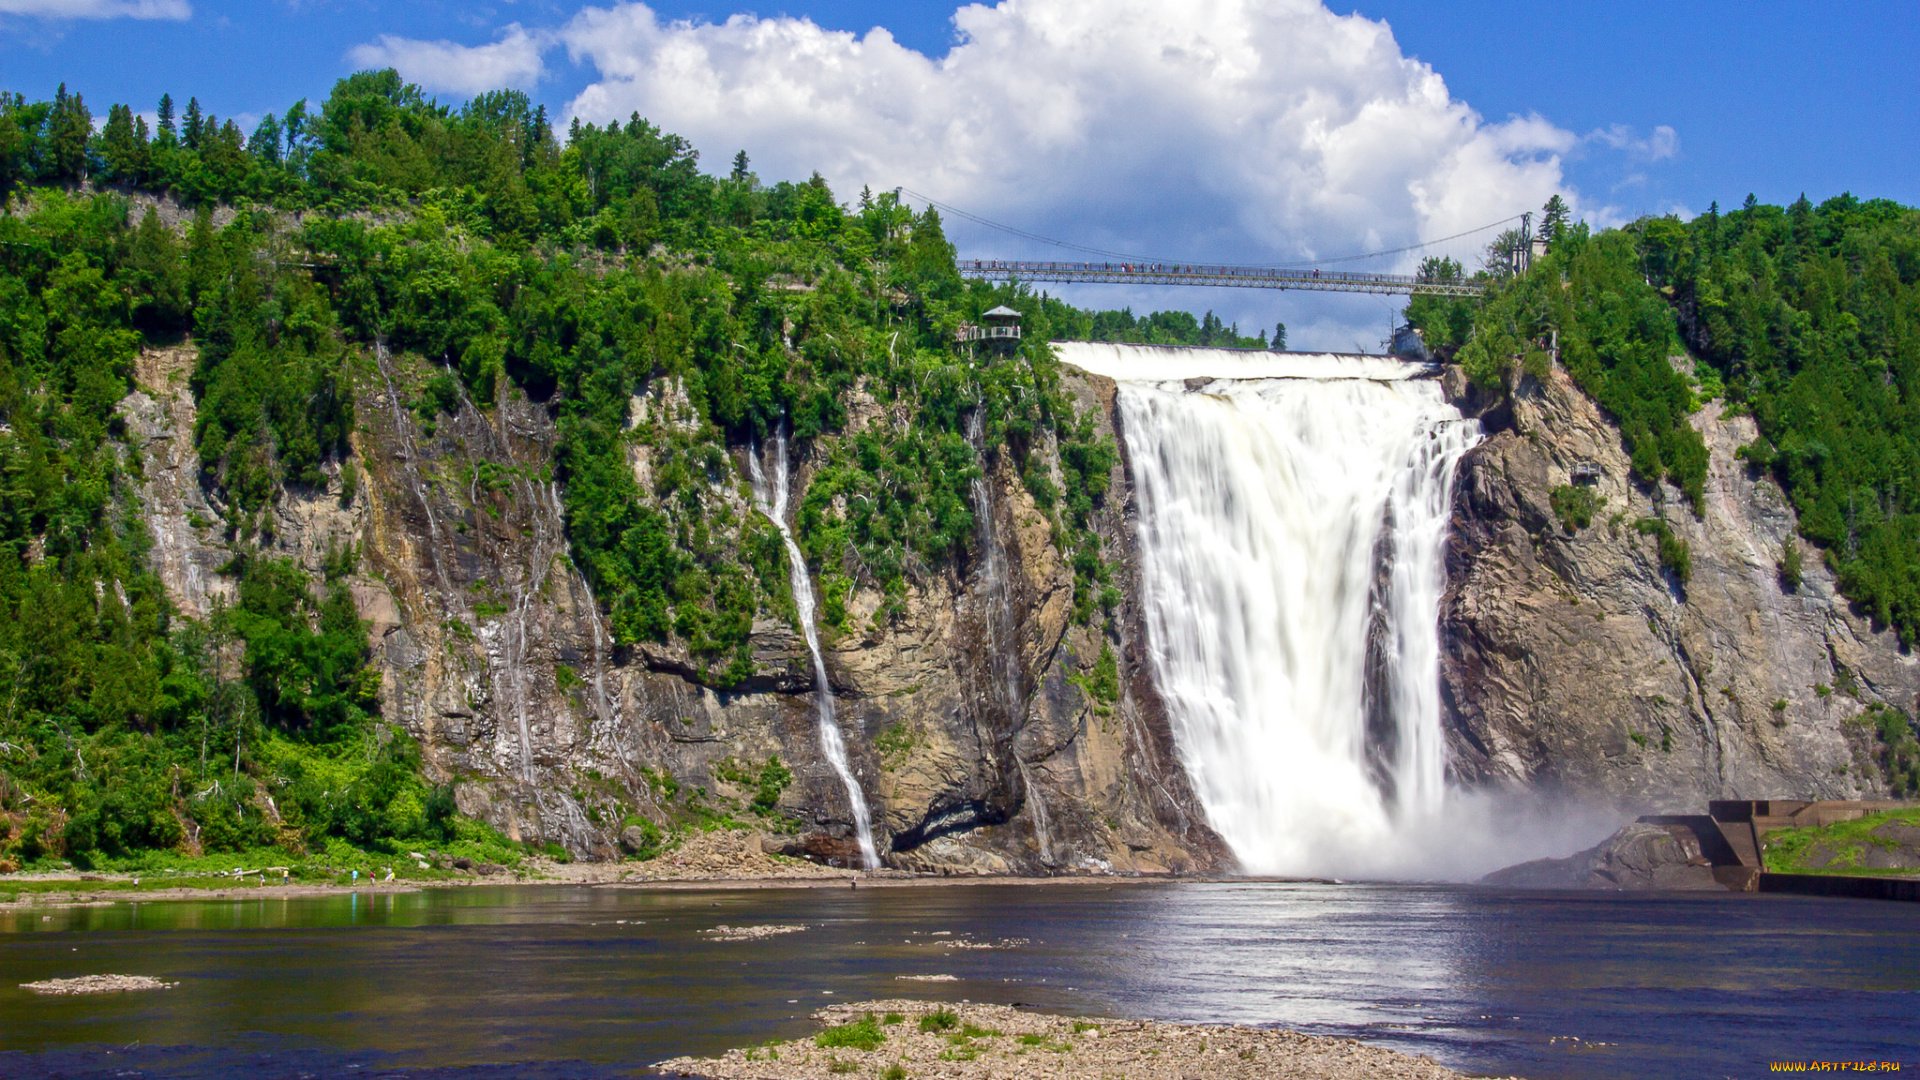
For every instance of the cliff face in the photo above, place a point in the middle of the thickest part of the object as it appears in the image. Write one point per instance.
(1573, 660)
(1576, 661)
(977, 748)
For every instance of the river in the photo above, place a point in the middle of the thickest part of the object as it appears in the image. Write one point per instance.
(563, 981)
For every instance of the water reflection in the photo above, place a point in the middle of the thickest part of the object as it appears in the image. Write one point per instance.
(615, 978)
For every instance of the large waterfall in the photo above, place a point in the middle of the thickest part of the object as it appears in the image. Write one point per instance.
(1292, 511)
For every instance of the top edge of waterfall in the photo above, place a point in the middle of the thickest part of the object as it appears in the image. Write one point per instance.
(1163, 363)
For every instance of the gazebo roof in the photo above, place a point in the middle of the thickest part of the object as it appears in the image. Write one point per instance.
(1001, 312)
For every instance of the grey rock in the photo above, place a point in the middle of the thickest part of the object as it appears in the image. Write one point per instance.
(1638, 857)
(1573, 662)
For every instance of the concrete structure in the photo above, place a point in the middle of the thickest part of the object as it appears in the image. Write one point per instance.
(1731, 832)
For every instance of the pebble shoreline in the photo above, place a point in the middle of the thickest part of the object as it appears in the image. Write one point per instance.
(997, 1041)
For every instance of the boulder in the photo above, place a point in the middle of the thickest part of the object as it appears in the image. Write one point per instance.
(1637, 857)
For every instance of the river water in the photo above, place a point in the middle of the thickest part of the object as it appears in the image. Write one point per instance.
(563, 981)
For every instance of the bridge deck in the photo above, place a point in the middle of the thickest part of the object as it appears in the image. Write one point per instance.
(1243, 277)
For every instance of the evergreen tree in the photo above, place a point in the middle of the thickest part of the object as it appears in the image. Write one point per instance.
(192, 129)
(165, 133)
(1554, 219)
(739, 166)
(1279, 342)
(16, 145)
(1502, 257)
(224, 152)
(120, 147)
(69, 128)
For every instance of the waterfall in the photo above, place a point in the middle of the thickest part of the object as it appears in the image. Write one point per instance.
(1001, 634)
(1267, 501)
(772, 501)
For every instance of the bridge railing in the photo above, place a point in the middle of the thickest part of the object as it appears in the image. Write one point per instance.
(1246, 277)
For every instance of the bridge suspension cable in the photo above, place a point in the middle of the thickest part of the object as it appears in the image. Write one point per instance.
(1134, 259)
(1244, 277)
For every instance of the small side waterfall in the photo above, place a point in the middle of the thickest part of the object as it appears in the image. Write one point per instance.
(1007, 694)
(771, 501)
(1291, 522)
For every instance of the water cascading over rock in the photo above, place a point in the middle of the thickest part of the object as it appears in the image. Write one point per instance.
(771, 500)
(1292, 510)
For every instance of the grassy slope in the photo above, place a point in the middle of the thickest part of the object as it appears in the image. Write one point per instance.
(1807, 851)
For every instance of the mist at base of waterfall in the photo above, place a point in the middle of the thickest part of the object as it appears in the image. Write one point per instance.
(1473, 833)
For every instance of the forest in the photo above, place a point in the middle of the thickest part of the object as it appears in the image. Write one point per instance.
(581, 267)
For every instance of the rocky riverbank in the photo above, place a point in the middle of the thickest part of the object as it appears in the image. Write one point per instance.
(934, 1041)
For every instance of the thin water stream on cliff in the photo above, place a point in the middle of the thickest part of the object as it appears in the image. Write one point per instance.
(597, 982)
(772, 501)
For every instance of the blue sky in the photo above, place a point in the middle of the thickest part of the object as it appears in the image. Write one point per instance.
(1629, 107)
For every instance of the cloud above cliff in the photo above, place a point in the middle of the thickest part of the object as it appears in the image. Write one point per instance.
(1269, 129)
(513, 61)
(1226, 130)
(99, 9)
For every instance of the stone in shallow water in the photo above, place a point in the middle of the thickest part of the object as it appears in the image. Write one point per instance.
(98, 984)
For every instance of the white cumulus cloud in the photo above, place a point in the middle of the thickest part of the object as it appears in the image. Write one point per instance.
(515, 60)
(1219, 129)
(99, 9)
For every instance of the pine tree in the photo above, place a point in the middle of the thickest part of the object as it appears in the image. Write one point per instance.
(1554, 219)
(119, 147)
(166, 135)
(15, 142)
(195, 125)
(740, 166)
(1279, 342)
(68, 128)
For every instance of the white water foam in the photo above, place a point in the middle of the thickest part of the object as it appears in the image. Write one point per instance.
(772, 501)
(1262, 499)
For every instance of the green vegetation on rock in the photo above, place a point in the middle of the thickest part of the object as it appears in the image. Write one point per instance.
(1574, 505)
(1877, 844)
(861, 1034)
(1808, 317)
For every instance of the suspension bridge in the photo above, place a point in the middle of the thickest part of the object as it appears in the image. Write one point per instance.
(1244, 277)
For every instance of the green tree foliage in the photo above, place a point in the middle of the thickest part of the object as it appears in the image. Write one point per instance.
(1811, 317)
(125, 727)
(1574, 505)
(1807, 316)
(1170, 328)
(1555, 219)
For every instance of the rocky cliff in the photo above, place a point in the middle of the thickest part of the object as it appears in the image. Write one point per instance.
(1575, 660)
(975, 725)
